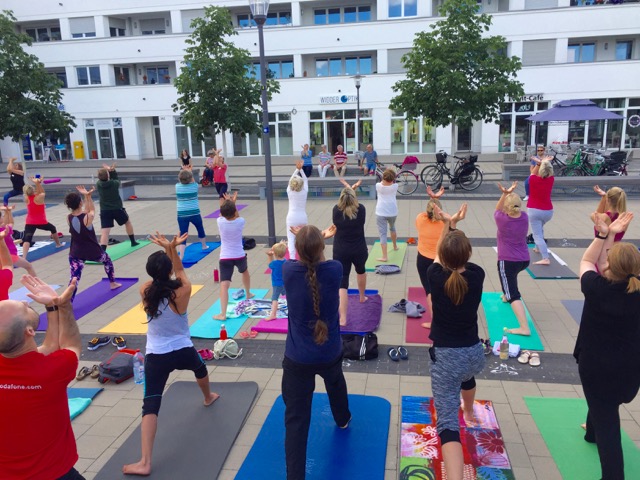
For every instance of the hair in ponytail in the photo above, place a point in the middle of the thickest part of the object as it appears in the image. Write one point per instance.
(159, 268)
(454, 252)
(310, 245)
(624, 265)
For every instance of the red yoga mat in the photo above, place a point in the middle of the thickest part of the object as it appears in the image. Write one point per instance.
(415, 332)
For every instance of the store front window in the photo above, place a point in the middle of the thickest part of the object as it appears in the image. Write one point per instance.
(280, 138)
(411, 136)
(338, 127)
(604, 133)
(516, 131)
(185, 140)
(105, 139)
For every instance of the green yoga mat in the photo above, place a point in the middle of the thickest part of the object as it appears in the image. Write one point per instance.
(122, 249)
(500, 315)
(559, 420)
(396, 257)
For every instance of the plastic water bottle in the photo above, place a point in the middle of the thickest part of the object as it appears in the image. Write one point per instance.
(138, 368)
(223, 332)
(504, 346)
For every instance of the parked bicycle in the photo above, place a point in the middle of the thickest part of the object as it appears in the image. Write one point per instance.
(614, 164)
(465, 172)
(407, 180)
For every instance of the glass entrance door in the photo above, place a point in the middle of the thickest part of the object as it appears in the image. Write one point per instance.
(106, 144)
(335, 133)
(464, 139)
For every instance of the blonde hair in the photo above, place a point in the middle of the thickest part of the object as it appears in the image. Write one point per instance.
(512, 204)
(617, 199)
(348, 203)
(624, 265)
(28, 190)
(279, 249)
(434, 202)
(296, 184)
(546, 169)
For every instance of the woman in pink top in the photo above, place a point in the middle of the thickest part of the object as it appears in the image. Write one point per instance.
(6, 224)
(539, 206)
(220, 175)
(36, 216)
(613, 202)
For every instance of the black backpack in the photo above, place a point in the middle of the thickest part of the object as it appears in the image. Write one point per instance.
(117, 368)
(248, 243)
(360, 347)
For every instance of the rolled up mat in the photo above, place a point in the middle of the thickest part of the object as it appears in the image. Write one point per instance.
(415, 332)
(357, 452)
(47, 181)
(192, 441)
(122, 249)
(194, 253)
(216, 214)
(395, 257)
(500, 314)
(559, 420)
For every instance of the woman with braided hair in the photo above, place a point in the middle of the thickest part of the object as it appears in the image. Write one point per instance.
(313, 345)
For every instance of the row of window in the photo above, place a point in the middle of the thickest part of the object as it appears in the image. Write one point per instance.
(331, 67)
(324, 16)
(586, 52)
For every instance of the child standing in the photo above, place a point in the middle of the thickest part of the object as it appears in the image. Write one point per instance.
(230, 226)
(276, 260)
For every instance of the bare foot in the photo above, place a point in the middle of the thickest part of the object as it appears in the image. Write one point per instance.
(250, 295)
(519, 331)
(503, 298)
(221, 316)
(535, 250)
(205, 247)
(469, 417)
(212, 398)
(426, 325)
(362, 300)
(139, 468)
(382, 259)
(583, 426)
(544, 261)
(395, 247)
(269, 318)
(115, 285)
(60, 245)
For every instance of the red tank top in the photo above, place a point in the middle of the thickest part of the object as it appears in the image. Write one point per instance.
(35, 212)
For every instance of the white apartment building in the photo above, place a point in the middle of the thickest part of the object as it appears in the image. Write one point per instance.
(118, 60)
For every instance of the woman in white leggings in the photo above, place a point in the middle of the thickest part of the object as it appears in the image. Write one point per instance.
(297, 216)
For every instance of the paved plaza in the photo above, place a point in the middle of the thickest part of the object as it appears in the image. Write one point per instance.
(115, 413)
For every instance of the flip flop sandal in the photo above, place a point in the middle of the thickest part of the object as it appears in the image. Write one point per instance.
(206, 354)
(83, 373)
(524, 357)
(404, 354)
(253, 334)
(393, 354)
(534, 361)
(244, 334)
(95, 371)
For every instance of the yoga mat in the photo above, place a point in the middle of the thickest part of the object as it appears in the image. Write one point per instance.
(279, 325)
(20, 294)
(91, 298)
(574, 307)
(559, 420)
(207, 327)
(415, 332)
(79, 399)
(122, 249)
(499, 315)
(363, 317)
(73, 392)
(23, 211)
(51, 180)
(485, 455)
(193, 441)
(557, 269)
(41, 250)
(396, 257)
(134, 321)
(286, 257)
(194, 253)
(357, 452)
(216, 214)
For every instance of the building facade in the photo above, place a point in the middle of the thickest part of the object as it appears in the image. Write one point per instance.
(118, 59)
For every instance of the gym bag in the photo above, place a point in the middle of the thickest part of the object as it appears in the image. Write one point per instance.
(387, 269)
(226, 348)
(360, 347)
(117, 368)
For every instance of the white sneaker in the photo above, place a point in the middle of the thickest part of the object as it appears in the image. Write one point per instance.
(525, 198)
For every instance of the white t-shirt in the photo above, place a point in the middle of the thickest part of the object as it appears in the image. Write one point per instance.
(231, 238)
(387, 205)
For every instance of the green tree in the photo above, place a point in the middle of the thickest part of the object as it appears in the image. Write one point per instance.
(457, 73)
(29, 96)
(214, 91)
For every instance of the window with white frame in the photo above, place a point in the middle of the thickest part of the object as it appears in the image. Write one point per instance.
(82, 27)
(581, 53)
(277, 69)
(624, 49)
(274, 19)
(44, 34)
(280, 138)
(411, 135)
(403, 8)
(158, 74)
(186, 140)
(351, 14)
(153, 26)
(350, 65)
(117, 32)
(88, 75)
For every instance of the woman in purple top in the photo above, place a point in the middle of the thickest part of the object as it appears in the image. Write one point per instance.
(513, 254)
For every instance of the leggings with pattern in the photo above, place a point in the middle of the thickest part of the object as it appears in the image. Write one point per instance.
(77, 265)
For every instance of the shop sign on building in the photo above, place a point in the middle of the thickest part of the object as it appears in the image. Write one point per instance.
(529, 97)
(337, 99)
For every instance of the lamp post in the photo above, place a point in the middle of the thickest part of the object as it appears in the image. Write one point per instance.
(259, 10)
(357, 79)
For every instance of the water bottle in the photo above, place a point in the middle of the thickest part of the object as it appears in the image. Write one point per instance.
(223, 332)
(138, 368)
(216, 275)
(504, 346)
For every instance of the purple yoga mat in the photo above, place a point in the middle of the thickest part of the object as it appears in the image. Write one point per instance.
(216, 214)
(91, 298)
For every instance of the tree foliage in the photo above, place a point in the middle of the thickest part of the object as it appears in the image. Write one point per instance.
(214, 91)
(457, 73)
(29, 96)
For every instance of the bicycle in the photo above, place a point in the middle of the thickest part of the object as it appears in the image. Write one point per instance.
(407, 180)
(465, 173)
(614, 164)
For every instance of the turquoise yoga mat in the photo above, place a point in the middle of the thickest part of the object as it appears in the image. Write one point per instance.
(500, 315)
(79, 399)
(207, 327)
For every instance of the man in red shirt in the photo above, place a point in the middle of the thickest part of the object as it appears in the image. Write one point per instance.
(340, 161)
(36, 439)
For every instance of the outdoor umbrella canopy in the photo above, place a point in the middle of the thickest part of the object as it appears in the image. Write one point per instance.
(567, 110)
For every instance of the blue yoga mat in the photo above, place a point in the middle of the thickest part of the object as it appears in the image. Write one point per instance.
(43, 249)
(83, 392)
(194, 253)
(79, 399)
(359, 451)
(207, 327)
(21, 294)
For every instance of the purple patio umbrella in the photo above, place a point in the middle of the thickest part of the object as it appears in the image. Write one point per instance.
(574, 110)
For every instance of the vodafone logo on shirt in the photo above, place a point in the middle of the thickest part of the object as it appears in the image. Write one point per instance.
(13, 386)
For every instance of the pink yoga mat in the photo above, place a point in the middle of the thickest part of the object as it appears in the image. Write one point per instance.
(216, 214)
(51, 180)
(279, 325)
(415, 332)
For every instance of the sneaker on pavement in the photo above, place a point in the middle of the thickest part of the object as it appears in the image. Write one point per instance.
(525, 198)
(119, 342)
(97, 342)
(238, 294)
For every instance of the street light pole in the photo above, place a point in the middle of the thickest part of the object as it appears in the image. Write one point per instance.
(259, 10)
(357, 79)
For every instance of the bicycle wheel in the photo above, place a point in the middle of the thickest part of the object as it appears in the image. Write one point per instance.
(431, 176)
(407, 182)
(471, 181)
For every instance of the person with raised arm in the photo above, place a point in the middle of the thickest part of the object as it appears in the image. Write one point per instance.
(36, 215)
(6, 224)
(165, 299)
(387, 210)
(306, 156)
(297, 192)
(612, 203)
(539, 206)
(16, 175)
(220, 175)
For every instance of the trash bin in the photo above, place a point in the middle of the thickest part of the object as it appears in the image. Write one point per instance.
(78, 150)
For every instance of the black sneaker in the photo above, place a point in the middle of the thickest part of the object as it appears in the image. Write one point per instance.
(119, 342)
(97, 342)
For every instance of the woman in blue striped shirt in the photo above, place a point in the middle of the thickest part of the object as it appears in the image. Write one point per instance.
(188, 208)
